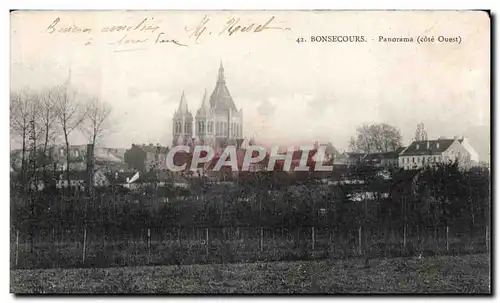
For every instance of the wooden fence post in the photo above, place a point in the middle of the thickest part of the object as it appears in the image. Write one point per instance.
(84, 243)
(179, 232)
(261, 239)
(404, 239)
(56, 249)
(312, 236)
(149, 245)
(447, 239)
(331, 240)
(17, 246)
(359, 242)
(487, 238)
(206, 239)
(298, 236)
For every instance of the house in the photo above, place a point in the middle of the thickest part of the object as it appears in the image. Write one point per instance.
(383, 160)
(474, 156)
(331, 153)
(119, 177)
(79, 179)
(424, 153)
(55, 155)
(162, 178)
(353, 159)
(155, 178)
(145, 157)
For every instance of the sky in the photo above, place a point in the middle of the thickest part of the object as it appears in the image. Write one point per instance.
(291, 93)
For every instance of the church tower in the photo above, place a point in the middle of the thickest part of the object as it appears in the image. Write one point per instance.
(182, 124)
(218, 122)
(204, 123)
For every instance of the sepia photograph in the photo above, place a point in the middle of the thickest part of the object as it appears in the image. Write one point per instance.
(250, 152)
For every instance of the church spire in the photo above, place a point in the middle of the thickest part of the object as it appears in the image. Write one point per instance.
(204, 102)
(205, 105)
(221, 77)
(183, 108)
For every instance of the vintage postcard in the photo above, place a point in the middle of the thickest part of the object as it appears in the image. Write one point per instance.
(250, 152)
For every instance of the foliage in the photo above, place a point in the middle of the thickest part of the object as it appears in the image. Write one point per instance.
(375, 138)
(422, 202)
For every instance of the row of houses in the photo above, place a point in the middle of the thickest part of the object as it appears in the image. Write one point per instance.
(419, 154)
(416, 155)
(55, 158)
(116, 165)
(129, 179)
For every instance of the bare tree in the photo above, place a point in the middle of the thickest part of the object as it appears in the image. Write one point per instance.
(19, 123)
(96, 121)
(47, 117)
(374, 138)
(94, 126)
(69, 112)
(35, 134)
(24, 124)
(353, 147)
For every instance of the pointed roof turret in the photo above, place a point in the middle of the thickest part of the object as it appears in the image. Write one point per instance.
(183, 107)
(205, 106)
(221, 98)
(221, 77)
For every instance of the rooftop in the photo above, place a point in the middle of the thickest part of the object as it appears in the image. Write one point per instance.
(429, 147)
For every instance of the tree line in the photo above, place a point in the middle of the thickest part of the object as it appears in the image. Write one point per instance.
(425, 200)
(42, 118)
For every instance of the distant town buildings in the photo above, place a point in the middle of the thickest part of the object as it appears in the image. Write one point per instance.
(146, 157)
(383, 160)
(218, 123)
(104, 157)
(417, 155)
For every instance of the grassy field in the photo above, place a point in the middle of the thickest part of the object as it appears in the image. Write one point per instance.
(441, 274)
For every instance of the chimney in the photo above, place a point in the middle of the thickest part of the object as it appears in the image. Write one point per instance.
(428, 144)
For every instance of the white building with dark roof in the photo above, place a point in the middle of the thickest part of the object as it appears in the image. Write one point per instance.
(424, 153)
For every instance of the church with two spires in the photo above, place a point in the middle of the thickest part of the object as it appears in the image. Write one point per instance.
(217, 123)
